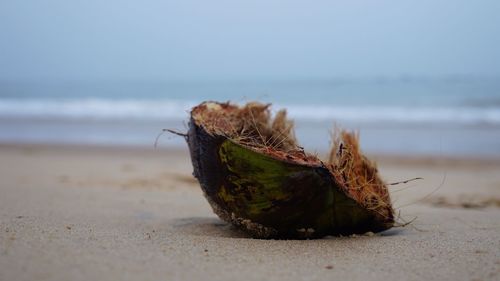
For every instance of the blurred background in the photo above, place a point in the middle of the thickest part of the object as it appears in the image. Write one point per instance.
(419, 77)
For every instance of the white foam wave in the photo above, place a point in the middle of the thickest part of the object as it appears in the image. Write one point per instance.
(402, 114)
(107, 109)
(94, 108)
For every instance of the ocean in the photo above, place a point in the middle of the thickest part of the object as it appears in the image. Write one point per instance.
(453, 116)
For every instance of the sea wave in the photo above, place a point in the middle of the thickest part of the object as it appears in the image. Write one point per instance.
(134, 109)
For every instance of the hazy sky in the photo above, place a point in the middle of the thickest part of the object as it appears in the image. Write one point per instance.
(187, 39)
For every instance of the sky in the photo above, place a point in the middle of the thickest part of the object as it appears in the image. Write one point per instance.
(247, 39)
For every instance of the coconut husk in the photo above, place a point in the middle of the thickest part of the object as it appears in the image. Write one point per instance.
(255, 176)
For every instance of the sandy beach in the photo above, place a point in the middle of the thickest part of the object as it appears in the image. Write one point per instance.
(125, 213)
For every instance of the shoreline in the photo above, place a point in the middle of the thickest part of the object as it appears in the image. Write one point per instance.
(182, 149)
(409, 139)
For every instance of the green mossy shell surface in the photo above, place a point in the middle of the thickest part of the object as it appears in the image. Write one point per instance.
(279, 198)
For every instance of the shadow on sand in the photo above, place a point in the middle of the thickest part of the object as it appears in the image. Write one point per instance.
(206, 226)
(214, 227)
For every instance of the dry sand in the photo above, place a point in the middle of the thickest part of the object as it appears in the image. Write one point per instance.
(95, 213)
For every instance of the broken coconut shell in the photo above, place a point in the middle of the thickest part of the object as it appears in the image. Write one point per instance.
(256, 177)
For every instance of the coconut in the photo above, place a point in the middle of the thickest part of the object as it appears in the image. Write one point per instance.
(255, 176)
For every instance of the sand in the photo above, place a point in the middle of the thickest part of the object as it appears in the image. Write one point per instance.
(100, 213)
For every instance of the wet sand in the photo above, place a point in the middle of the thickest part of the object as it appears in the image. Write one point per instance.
(125, 213)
